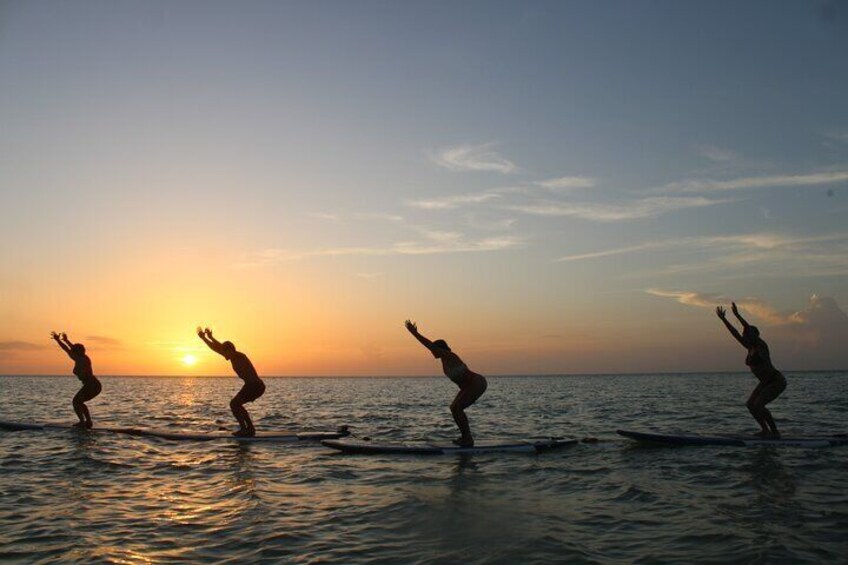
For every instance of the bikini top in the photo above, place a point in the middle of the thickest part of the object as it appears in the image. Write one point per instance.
(456, 373)
(758, 355)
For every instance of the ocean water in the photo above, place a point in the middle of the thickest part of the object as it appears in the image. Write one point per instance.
(76, 497)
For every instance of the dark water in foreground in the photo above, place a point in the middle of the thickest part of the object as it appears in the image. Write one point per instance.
(70, 497)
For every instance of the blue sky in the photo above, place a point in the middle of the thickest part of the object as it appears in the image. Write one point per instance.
(560, 171)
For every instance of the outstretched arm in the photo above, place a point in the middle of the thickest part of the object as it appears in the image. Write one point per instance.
(413, 329)
(208, 339)
(738, 315)
(58, 339)
(722, 314)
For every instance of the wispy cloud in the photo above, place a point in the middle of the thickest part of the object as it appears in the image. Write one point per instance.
(437, 242)
(837, 135)
(611, 252)
(325, 216)
(617, 211)
(716, 154)
(337, 217)
(19, 346)
(381, 217)
(799, 254)
(566, 183)
(489, 222)
(448, 202)
(472, 158)
(745, 183)
(759, 308)
(105, 342)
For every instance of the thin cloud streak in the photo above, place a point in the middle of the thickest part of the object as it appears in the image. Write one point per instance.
(716, 154)
(614, 212)
(472, 158)
(442, 243)
(610, 252)
(758, 241)
(745, 183)
(448, 202)
(104, 342)
(566, 183)
(19, 346)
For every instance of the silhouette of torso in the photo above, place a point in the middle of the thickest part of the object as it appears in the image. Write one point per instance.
(82, 368)
(244, 368)
(759, 360)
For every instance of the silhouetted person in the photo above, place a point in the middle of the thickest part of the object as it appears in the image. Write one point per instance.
(91, 387)
(253, 386)
(471, 385)
(772, 381)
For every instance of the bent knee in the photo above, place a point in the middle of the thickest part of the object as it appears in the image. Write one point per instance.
(236, 402)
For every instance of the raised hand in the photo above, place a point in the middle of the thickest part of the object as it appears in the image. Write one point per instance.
(721, 312)
(411, 326)
(64, 336)
(208, 332)
(54, 335)
(199, 332)
(734, 308)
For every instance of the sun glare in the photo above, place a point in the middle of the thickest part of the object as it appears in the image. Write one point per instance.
(189, 360)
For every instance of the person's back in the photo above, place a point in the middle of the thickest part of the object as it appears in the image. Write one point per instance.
(243, 367)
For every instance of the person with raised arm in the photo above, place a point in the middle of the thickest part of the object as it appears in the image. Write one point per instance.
(471, 385)
(253, 386)
(772, 382)
(91, 387)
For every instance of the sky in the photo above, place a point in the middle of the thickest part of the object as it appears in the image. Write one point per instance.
(551, 187)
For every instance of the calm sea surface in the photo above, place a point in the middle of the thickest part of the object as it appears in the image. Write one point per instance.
(69, 497)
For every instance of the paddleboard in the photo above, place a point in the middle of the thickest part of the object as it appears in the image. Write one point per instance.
(737, 440)
(277, 436)
(439, 448)
(21, 426)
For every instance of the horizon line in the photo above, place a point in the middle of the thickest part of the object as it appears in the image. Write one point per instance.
(435, 376)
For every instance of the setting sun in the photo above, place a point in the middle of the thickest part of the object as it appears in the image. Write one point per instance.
(189, 360)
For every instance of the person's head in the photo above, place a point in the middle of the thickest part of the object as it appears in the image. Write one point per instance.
(441, 347)
(751, 334)
(78, 349)
(228, 349)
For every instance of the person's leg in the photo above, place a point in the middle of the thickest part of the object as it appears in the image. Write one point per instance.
(768, 394)
(239, 412)
(256, 390)
(80, 410)
(249, 429)
(755, 408)
(465, 398)
(461, 420)
(770, 422)
(86, 393)
(248, 393)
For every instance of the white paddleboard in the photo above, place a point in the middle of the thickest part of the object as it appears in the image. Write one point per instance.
(736, 440)
(447, 448)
